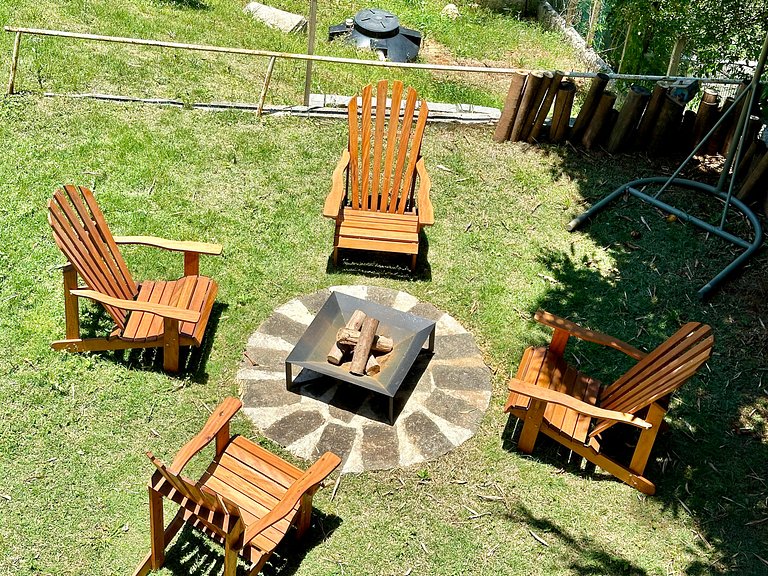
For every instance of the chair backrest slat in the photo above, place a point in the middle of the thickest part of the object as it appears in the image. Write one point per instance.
(102, 241)
(402, 152)
(82, 234)
(354, 144)
(202, 499)
(660, 373)
(378, 142)
(382, 176)
(406, 189)
(394, 122)
(365, 149)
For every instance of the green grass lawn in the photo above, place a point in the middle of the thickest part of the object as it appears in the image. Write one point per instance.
(74, 428)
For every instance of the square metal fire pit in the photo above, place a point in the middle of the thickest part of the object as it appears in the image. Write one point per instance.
(408, 332)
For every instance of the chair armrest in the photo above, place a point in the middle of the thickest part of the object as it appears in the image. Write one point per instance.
(172, 245)
(547, 395)
(335, 197)
(308, 482)
(577, 331)
(216, 421)
(423, 203)
(172, 312)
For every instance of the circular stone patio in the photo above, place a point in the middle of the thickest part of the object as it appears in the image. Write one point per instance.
(438, 407)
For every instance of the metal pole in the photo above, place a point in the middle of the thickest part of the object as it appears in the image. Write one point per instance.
(311, 29)
(267, 78)
(337, 60)
(745, 111)
(14, 62)
(741, 129)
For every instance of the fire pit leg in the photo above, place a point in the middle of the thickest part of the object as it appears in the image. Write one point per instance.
(392, 410)
(288, 376)
(431, 345)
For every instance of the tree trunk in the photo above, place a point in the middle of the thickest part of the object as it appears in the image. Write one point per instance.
(677, 52)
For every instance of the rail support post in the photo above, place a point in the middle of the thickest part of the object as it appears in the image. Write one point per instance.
(14, 62)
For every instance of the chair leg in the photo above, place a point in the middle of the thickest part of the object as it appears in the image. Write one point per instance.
(304, 515)
(413, 262)
(230, 560)
(145, 566)
(531, 426)
(156, 531)
(171, 345)
(335, 255)
(647, 438)
(232, 543)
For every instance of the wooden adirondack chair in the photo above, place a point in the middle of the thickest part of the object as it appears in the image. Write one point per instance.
(247, 499)
(164, 314)
(376, 206)
(574, 409)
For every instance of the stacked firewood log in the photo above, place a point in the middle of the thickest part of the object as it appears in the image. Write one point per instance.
(358, 345)
(654, 121)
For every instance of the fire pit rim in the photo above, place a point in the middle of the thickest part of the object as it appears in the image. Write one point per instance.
(310, 354)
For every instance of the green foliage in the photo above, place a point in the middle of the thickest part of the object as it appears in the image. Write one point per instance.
(717, 33)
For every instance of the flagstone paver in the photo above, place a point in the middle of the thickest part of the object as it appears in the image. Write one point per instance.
(438, 407)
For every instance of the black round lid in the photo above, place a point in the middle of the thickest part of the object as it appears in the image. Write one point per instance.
(376, 23)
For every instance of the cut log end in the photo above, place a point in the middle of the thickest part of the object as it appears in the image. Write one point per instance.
(372, 366)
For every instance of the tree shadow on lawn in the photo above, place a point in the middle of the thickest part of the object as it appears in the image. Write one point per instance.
(593, 559)
(714, 464)
(186, 4)
(193, 554)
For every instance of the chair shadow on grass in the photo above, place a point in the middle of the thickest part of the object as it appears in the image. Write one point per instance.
(192, 361)
(710, 469)
(384, 264)
(194, 554)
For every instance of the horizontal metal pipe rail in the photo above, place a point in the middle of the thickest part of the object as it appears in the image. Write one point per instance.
(335, 59)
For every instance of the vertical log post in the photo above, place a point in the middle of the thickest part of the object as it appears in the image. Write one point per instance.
(311, 29)
(735, 116)
(629, 116)
(14, 62)
(750, 187)
(599, 120)
(706, 116)
(541, 116)
(265, 87)
(511, 105)
(363, 347)
(715, 143)
(561, 116)
(745, 165)
(686, 131)
(670, 116)
(648, 121)
(596, 89)
(533, 110)
(529, 94)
